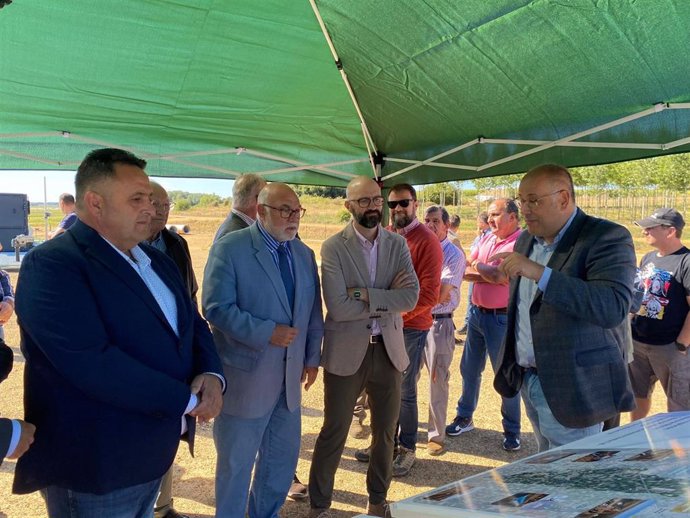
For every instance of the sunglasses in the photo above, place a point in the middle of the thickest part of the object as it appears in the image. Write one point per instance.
(403, 203)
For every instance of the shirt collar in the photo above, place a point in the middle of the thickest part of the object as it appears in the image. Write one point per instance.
(363, 240)
(139, 257)
(271, 242)
(409, 228)
(247, 219)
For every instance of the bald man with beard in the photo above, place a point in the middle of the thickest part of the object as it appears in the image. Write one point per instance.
(368, 281)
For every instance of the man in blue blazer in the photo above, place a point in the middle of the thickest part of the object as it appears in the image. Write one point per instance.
(114, 377)
(571, 287)
(262, 298)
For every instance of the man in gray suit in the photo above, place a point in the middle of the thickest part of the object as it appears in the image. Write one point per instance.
(245, 192)
(262, 297)
(571, 287)
(368, 280)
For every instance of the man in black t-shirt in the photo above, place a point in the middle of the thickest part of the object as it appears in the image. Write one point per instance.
(661, 327)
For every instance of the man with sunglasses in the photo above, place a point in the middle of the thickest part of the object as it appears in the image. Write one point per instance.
(262, 297)
(427, 258)
(661, 327)
(570, 290)
(368, 280)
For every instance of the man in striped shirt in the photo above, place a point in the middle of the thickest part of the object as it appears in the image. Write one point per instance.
(440, 342)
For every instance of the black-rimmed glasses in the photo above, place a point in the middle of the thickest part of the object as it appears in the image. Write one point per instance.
(533, 203)
(287, 213)
(377, 201)
(403, 203)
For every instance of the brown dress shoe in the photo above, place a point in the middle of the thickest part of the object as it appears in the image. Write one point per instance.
(297, 491)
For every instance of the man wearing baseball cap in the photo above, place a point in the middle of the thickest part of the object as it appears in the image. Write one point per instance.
(661, 327)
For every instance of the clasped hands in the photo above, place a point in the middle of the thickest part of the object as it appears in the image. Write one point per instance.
(514, 264)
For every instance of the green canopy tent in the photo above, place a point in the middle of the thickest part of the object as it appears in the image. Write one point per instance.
(316, 91)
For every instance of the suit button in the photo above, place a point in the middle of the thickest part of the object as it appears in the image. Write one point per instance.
(368, 326)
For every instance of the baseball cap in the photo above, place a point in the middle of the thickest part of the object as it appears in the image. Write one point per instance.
(664, 216)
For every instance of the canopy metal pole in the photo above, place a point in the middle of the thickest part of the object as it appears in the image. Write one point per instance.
(435, 157)
(343, 75)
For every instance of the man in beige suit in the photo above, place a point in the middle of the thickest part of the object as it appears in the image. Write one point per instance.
(368, 281)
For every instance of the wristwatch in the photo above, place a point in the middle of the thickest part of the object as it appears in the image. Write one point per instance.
(682, 347)
(357, 294)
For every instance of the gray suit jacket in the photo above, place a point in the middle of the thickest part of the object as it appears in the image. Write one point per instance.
(348, 321)
(580, 362)
(230, 224)
(243, 299)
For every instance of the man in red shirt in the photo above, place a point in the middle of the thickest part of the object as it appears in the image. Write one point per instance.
(486, 326)
(427, 258)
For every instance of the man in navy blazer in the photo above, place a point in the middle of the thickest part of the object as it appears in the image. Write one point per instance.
(262, 298)
(114, 377)
(571, 287)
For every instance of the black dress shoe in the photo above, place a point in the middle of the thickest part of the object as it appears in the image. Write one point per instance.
(171, 513)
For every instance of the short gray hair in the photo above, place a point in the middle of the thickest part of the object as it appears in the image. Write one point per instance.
(243, 188)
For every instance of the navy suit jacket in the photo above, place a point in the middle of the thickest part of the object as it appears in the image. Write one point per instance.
(106, 377)
(5, 436)
(575, 324)
(243, 299)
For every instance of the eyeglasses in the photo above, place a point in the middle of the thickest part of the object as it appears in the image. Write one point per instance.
(164, 206)
(403, 203)
(377, 201)
(287, 213)
(533, 203)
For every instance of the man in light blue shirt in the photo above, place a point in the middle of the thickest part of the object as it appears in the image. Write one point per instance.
(571, 288)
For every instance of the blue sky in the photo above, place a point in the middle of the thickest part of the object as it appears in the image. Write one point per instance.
(57, 182)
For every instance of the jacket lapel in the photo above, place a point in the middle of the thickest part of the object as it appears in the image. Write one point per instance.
(354, 248)
(101, 251)
(567, 242)
(265, 259)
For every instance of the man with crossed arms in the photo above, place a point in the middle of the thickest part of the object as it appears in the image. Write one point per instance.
(368, 281)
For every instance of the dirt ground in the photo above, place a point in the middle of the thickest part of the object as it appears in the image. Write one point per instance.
(467, 454)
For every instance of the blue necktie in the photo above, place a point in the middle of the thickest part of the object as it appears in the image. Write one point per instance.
(285, 273)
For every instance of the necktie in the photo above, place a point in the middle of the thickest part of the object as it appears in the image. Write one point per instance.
(285, 273)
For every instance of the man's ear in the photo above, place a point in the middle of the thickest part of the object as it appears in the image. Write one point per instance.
(93, 203)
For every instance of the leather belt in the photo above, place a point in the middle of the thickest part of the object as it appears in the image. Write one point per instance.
(438, 316)
(376, 339)
(492, 311)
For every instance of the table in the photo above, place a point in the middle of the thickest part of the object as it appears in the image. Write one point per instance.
(640, 469)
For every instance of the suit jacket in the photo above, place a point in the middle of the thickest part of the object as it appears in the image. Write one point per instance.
(178, 250)
(243, 299)
(348, 321)
(106, 377)
(5, 436)
(579, 357)
(230, 224)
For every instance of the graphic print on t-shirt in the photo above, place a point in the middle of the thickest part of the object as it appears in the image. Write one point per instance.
(655, 283)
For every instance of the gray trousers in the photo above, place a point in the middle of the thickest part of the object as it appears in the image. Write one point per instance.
(438, 355)
(382, 382)
(164, 501)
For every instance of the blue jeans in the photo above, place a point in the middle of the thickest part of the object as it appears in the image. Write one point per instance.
(130, 502)
(270, 442)
(415, 340)
(485, 333)
(548, 432)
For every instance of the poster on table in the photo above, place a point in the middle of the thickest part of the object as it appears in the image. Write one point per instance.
(638, 470)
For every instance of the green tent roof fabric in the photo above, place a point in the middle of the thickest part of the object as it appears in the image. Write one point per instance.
(213, 89)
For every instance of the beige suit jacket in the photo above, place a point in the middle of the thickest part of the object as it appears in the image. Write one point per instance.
(348, 321)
